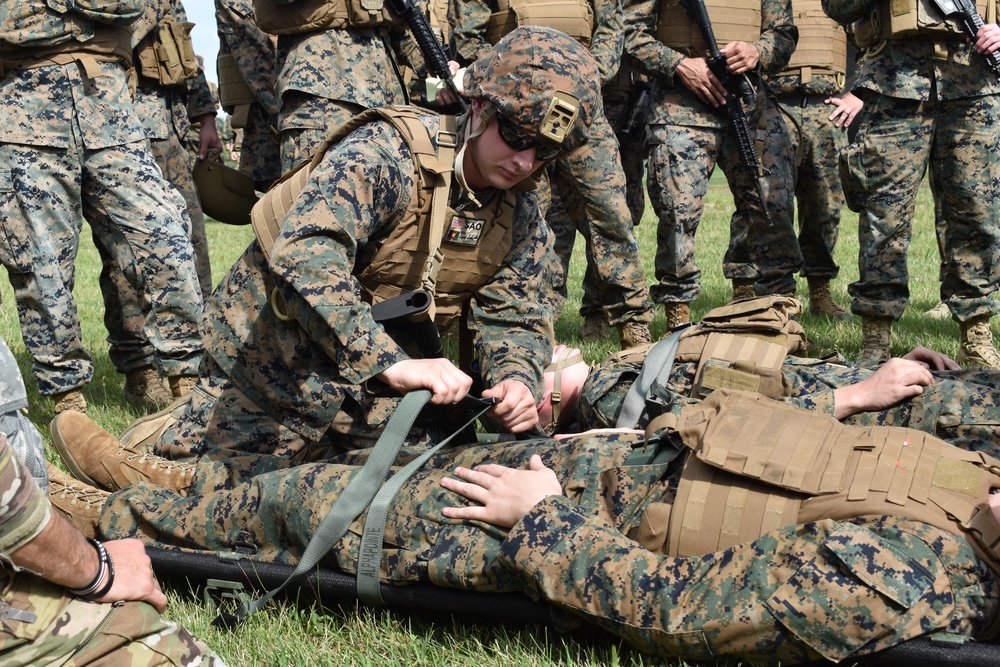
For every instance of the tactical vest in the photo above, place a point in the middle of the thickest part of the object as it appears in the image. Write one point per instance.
(314, 15)
(166, 55)
(109, 44)
(573, 17)
(732, 21)
(756, 465)
(900, 19)
(822, 45)
(235, 95)
(449, 253)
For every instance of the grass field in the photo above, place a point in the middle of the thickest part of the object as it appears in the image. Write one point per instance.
(290, 634)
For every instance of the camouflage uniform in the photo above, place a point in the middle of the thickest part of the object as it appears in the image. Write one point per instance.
(73, 148)
(295, 388)
(923, 109)
(589, 181)
(254, 54)
(687, 139)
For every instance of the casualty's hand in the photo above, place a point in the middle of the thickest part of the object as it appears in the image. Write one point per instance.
(698, 78)
(846, 108)
(446, 383)
(932, 360)
(134, 578)
(516, 410)
(987, 39)
(740, 57)
(896, 380)
(504, 494)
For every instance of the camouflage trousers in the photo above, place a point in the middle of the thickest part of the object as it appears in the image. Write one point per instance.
(816, 144)
(71, 632)
(827, 588)
(681, 161)
(881, 171)
(588, 195)
(305, 121)
(120, 191)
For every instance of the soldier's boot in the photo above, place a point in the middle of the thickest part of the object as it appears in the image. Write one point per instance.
(94, 456)
(875, 332)
(743, 288)
(977, 344)
(80, 503)
(69, 400)
(821, 301)
(181, 385)
(145, 389)
(939, 312)
(677, 313)
(595, 326)
(634, 334)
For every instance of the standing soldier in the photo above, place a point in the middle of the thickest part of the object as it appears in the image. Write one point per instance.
(688, 136)
(930, 99)
(817, 71)
(588, 188)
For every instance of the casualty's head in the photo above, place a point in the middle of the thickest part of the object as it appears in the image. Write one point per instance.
(564, 379)
(534, 97)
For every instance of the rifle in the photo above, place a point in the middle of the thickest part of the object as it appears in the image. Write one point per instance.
(639, 101)
(738, 92)
(407, 319)
(434, 54)
(964, 11)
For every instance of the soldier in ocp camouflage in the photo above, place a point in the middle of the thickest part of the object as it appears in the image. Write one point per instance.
(73, 148)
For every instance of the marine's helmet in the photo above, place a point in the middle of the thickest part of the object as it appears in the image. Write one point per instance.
(544, 86)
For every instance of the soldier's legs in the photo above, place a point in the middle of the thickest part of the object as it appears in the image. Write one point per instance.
(260, 157)
(305, 121)
(40, 209)
(681, 160)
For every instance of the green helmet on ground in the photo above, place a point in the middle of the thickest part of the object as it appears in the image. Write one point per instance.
(544, 82)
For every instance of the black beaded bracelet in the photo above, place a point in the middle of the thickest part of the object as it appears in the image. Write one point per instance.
(104, 579)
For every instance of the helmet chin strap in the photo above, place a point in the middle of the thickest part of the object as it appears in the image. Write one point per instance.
(471, 132)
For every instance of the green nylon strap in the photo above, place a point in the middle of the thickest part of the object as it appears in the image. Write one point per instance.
(370, 556)
(655, 369)
(351, 503)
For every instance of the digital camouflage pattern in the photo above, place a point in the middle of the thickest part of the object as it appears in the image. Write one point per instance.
(688, 139)
(923, 110)
(73, 148)
(21, 434)
(831, 589)
(254, 53)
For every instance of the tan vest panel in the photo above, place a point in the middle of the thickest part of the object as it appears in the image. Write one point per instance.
(109, 44)
(573, 17)
(166, 55)
(732, 21)
(314, 15)
(822, 45)
(899, 19)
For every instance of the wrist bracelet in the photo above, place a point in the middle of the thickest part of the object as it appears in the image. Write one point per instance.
(104, 578)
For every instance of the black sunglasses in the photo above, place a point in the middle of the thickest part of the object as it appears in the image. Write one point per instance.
(517, 140)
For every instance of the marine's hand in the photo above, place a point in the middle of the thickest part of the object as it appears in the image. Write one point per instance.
(846, 108)
(444, 95)
(698, 78)
(897, 380)
(516, 410)
(931, 359)
(445, 381)
(740, 56)
(987, 39)
(208, 136)
(504, 494)
(134, 578)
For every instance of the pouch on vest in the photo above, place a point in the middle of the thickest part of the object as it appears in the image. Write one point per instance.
(166, 54)
(767, 317)
(234, 92)
(900, 19)
(304, 16)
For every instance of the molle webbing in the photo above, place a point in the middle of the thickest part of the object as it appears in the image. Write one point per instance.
(732, 21)
(758, 464)
(573, 17)
(316, 15)
(822, 45)
(109, 44)
(736, 362)
(166, 55)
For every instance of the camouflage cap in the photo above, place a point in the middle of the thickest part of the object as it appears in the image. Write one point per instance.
(543, 81)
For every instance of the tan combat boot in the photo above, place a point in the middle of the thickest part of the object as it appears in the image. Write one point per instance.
(145, 389)
(79, 503)
(939, 312)
(677, 314)
(595, 326)
(743, 288)
(977, 344)
(875, 333)
(821, 301)
(634, 334)
(181, 385)
(94, 456)
(69, 400)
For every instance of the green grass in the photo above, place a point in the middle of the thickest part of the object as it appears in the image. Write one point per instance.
(289, 634)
